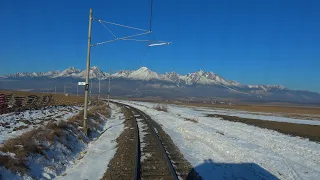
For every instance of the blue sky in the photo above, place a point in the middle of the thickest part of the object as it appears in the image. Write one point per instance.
(252, 42)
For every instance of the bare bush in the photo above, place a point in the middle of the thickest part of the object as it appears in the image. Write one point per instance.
(194, 120)
(161, 107)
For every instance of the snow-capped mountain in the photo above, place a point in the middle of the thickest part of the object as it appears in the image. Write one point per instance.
(72, 72)
(95, 73)
(172, 76)
(145, 74)
(204, 78)
(196, 84)
(121, 74)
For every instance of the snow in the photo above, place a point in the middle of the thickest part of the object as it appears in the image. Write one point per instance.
(96, 158)
(142, 133)
(144, 73)
(11, 122)
(266, 87)
(230, 150)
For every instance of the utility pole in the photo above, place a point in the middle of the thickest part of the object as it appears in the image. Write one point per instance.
(109, 86)
(77, 89)
(85, 117)
(55, 89)
(90, 92)
(99, 85)
(64, 88)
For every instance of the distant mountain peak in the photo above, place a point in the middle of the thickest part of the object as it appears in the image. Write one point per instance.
(144, 73)
(94, 67)
(143, 68)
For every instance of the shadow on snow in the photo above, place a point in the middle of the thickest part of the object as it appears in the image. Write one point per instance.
(215, 170)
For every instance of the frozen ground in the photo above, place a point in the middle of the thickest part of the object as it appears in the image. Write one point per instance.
(16, 123)
(94, 162)
(229, 150)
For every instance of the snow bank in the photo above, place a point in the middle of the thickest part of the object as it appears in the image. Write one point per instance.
(95, 160)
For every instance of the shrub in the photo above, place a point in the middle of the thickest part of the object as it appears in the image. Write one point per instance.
(161, 107)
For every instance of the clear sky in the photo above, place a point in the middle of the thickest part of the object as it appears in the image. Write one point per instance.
(252, 42)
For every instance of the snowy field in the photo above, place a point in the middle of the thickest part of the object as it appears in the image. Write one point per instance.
(260, 116)
(16, 123)
(230, 150)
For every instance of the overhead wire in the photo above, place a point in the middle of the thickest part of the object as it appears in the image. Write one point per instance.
(108, 29)
(121, 25)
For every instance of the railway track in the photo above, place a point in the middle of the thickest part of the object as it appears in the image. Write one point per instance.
(156, 156)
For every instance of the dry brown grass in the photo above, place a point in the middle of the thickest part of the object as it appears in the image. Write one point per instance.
(29, 144)
(127, 113)
(13, 164)
(161, 107)
(312, 132)
(58, 99)
(22, 147)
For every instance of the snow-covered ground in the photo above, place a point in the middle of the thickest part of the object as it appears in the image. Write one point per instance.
(16, 123)
(96, 158)
(228, 150)
(72, 158)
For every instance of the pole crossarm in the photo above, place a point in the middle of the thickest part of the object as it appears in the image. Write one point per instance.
(121, 25)
(108, 30)
(122, 38)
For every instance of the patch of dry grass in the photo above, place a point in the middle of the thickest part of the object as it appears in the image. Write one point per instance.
(57, 99)
(22, 147)
(194, 120)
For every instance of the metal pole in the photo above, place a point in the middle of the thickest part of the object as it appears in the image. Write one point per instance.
(87, 77)
(99, 84)
(77, 89)
(109, 86)
(90, 87)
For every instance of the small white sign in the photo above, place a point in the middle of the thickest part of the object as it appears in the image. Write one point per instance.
(81, 83)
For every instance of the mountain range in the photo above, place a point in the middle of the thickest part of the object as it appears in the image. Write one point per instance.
(145, 82)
